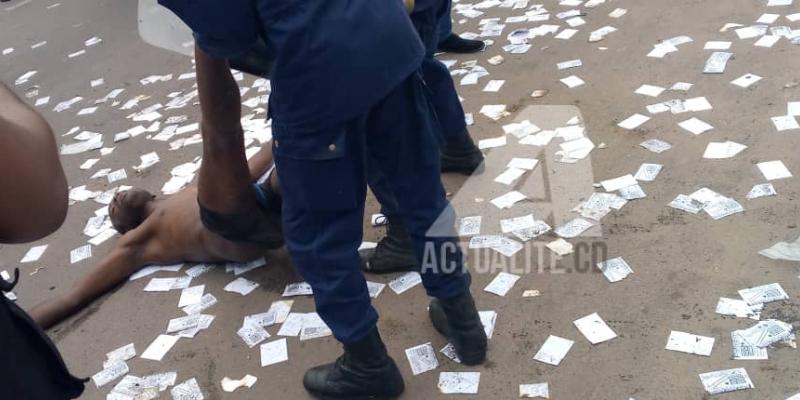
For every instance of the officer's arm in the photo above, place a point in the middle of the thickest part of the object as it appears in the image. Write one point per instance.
(34, 186)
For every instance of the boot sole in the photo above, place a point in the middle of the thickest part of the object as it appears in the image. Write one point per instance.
(463, 170)
(321, 396)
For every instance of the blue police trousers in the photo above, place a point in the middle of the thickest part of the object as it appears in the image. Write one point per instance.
(449, 112)
(324, 190)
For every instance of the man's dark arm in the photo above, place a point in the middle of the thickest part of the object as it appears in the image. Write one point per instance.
(124, 259)
(224, 182)
(34, 203)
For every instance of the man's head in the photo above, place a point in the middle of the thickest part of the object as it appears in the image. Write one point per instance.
(129, 209)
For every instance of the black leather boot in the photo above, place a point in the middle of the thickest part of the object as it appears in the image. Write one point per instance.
(364, 371)
(457, 319)
(461, 155)
(394, 253)
(457, 44)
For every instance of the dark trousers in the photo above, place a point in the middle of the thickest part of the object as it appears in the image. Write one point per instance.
(324, 197)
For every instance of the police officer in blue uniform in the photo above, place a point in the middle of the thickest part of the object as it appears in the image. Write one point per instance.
(395, 252)
(346, 92)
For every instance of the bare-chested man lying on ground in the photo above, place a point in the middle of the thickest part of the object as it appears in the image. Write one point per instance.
(161, 231)
(226, 217)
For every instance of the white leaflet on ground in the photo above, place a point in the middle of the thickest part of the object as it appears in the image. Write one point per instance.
(717, 45)
(494, 111)
(207, 301)
(744, 351)
(763, 294)
(492, 143)
(470, 226)
(725, 381)
(242, 286)
(723, 207)
(574, 150)
(553, 350)
(633, 192)
(449, 351)
(274, 352)
(188, 390)
(572, 81)
(508, 200)
(681, 87)
(110, 374)
(686, 203)
(422, 358)
(80, 254)
(767, 41)
(766, 332)
(147, 161)
(617, 13)
(160, 346)
(242, 268)
(459, 382)
(761, 190)
(252, 335)
(717, 61)
(746, 80)
(661, 49)
(569, 64)
(789, 251)
(773, 170)
(566, 34)
(292, 325)
(488, 319)
(615, 269)
(507, 247)
(191, 295)
(375, 289)
(123, 353)
(695, 126)
(509, 176)
(502, 283)
(34, 254)
(612, 185)
(594, 329)
(656, 145)
(494, 86)
(314, 327)
(648, 172)
(719, 150)
(542, 138)
(534, 391)
(405, 282)
(484, 241)
(633, 122)
(517, 223)
(650, 90)
(521, 129)
(298, 289)
(785, 123)
(688, 343)
(539, 228)
(573, 228)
